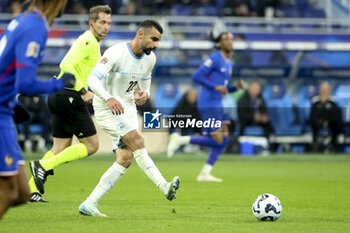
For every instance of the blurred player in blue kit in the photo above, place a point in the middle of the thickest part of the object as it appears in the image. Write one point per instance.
(213, 76)
(21, 51)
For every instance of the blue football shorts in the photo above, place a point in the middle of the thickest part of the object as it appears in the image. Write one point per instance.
(10, 154)
(212, 115)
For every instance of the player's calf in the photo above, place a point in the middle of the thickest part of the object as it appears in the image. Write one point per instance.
(8, 193)
(133, 140)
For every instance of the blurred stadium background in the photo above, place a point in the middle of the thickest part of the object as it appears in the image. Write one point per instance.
(291, 46)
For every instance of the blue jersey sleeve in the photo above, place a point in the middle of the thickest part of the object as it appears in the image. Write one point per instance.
(202, 74)
(30, 44)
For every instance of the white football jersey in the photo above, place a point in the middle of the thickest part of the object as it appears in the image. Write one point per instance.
(120, 71)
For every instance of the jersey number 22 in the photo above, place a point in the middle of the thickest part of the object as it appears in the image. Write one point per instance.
(132, 85)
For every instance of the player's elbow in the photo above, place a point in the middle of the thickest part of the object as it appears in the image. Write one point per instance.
(92, 144)
(67, 66)
(139, 142)
(196, 76)
(90, 81)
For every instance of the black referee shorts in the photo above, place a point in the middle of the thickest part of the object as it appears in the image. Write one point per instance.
(70, 115)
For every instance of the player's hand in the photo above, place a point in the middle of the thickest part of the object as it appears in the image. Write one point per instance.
(88, 97)
(257, 117)
(222, 89)
(115, 106)
(240, 84)
(264, 118)
(142, 97)
(68, 80)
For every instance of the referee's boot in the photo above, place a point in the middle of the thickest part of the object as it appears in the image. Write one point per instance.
(36, 197)
(39, 174)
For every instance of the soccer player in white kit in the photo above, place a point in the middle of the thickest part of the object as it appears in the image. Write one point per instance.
(122, 69)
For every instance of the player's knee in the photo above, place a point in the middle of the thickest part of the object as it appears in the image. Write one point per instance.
(92, 147)
(11, 196)
(219, 140)
(22, 197)
(139, 142)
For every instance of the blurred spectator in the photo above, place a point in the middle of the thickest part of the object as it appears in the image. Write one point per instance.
(3, 6)
(15, 7)
(207, 8)
(130, 9)
(40, 117)
(187, 105)
(167, 96)
(181, 57)
(186, 2)
(239, 8)
(90, 3)
(82, 6)
(79, 9)
(150, 7)
(278, 58)
(230, 108)
(252, 110)
(267, 8)
(75, 7)
(116, 5)
(324, 116)
(241, 57)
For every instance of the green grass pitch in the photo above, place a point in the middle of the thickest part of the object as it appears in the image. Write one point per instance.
(314, 191)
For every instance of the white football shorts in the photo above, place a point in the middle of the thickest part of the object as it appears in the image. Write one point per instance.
(116, 126)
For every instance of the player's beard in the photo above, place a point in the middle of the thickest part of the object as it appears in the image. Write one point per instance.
(228, 50)
(147, 51)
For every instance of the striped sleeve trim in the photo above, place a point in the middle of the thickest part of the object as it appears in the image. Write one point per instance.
(98, 74)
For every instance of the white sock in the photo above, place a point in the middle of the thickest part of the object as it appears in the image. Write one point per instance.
(147, 166)
(184, 140)
(206, 169)
(107, 181)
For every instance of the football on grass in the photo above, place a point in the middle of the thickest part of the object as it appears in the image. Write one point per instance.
(267, 207)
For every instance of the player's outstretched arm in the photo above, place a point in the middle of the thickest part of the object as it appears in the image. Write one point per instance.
(200, 76)
(28, 50)
(28, 83)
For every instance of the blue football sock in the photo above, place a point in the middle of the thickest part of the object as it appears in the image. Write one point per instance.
(215, 152)
(204, 141)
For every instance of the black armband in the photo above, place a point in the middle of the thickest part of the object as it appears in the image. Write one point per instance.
(82, 91)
